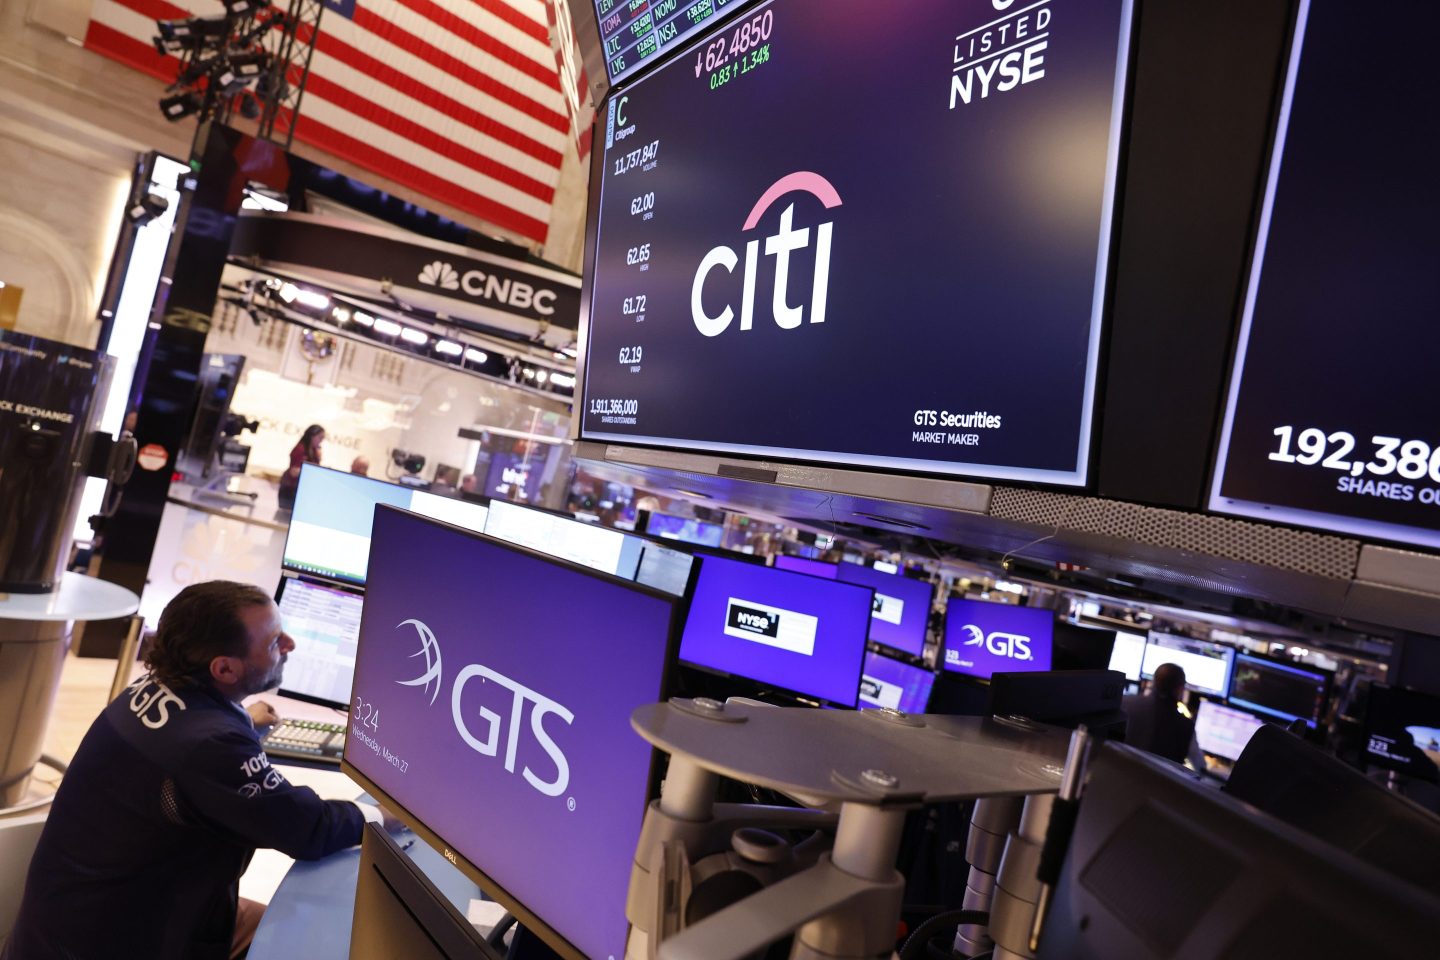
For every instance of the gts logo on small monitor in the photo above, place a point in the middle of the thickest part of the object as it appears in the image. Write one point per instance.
(1011, 645)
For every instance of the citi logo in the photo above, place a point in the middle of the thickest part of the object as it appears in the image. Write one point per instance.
(1010, 645)
(510, 724)
(780, 246)
(440, 274)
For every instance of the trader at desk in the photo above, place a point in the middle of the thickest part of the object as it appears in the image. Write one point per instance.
(169, 795)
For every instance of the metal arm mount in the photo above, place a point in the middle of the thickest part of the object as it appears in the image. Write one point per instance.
(872, 765)
(1007, 839)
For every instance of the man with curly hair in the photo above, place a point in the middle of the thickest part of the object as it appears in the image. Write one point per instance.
(169, 795)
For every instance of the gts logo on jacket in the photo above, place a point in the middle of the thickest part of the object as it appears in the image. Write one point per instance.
(151, 700)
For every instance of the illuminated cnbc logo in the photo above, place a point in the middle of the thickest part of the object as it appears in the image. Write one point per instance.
(779, 246)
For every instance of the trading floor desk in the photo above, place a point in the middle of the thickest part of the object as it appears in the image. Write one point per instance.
(313, 906)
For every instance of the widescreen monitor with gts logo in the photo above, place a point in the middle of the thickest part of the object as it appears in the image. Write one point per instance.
(491, 708)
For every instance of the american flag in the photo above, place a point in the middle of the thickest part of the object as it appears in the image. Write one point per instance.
(458, 100)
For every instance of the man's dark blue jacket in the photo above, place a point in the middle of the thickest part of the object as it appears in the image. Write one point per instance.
(167, 798)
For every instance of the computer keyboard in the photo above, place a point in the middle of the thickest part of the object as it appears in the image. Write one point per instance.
(305, 740)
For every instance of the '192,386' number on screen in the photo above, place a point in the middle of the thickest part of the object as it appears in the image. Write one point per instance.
(1408, 459)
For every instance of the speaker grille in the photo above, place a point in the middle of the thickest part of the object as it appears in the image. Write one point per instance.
(1282, 548)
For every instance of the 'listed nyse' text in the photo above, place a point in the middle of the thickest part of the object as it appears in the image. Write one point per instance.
(1001, 55)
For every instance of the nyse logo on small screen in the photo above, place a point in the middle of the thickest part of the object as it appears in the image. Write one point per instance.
(787, 241)
(510, 724)
(772, 626)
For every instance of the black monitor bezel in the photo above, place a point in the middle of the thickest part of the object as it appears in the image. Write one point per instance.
(342, 587)
(679, 609)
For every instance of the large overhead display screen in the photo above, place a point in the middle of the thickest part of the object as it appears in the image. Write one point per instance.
(635, 32)
(877, 237)
(1332, 419)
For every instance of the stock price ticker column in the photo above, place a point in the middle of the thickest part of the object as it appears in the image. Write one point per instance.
(634, 32)
(875, 235)
(1333, 419)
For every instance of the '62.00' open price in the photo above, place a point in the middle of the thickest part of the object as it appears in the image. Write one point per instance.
(1407, 459)
(609, 406)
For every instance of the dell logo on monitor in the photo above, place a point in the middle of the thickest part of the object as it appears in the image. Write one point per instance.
(779, 246)
(1010, 645)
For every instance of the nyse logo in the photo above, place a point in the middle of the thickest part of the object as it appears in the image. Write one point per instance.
(1009, 645)
(485, 286)
(509, 725)
(780, 246)
(771, 626)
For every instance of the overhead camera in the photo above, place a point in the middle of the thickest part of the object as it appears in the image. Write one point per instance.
(147, 208)
(409, 462)
(236, 424)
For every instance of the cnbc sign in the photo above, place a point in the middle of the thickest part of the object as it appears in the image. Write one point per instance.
(497, 287)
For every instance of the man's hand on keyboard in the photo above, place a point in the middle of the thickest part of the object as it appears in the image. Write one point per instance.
(262, 714)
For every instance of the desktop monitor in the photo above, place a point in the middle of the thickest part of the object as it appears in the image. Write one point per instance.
(1207, 665)
(800, 634)
(1280, 688)
(1402, 731)
(982, 638)
(886, 682)
(664, 569)
(329, 534)
(599, 548)
(814, 568)
(1223, 731)
(1161, 865)
(325, 623)
(493, 692)
(687, 529)
(1311, 790)
(1128, 654)
(1079, 647)
(902, 607)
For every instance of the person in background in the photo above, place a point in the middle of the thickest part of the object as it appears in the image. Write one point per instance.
(1155, 721)
(306, 450)
(360, 466)
(169, 795)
